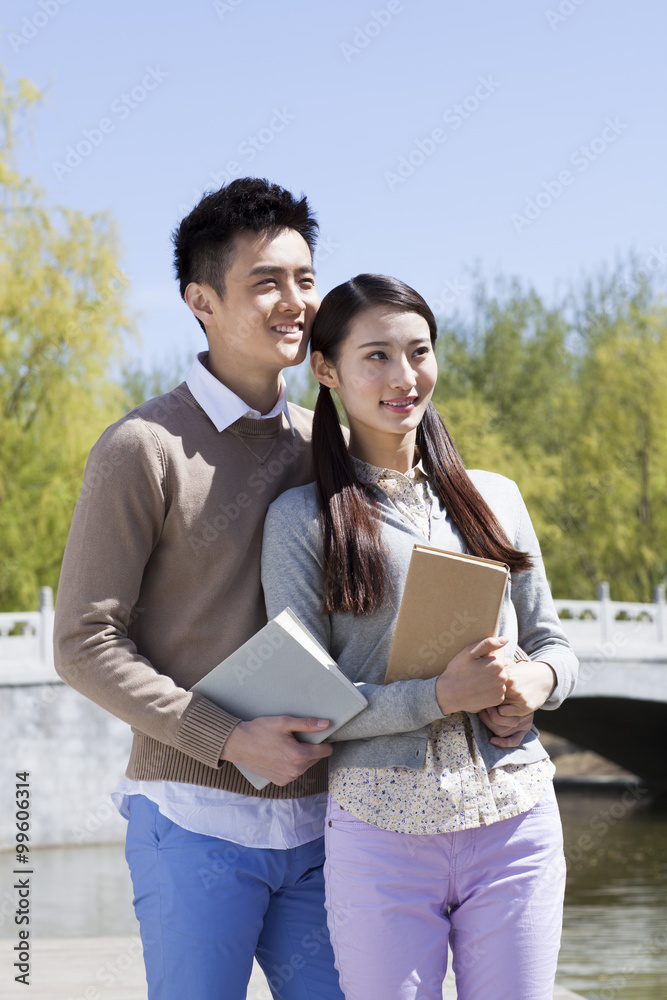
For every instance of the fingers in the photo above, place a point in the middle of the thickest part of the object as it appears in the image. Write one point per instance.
(505, 727)
(268, 746)
(511, 709)
(313, 752)
(488, 646)
(507, 741)
(293, 725)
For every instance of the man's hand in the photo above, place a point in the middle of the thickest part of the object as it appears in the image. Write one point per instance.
(508, 730)
(267, 746)
(529, 684)
(474, 679)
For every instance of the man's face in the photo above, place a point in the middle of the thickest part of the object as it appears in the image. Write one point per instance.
(265, 316)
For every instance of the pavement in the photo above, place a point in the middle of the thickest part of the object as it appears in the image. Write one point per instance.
(110, 968)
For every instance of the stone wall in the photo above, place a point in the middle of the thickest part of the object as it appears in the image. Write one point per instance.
(75, 752)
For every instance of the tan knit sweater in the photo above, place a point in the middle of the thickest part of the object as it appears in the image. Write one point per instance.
(161, 577)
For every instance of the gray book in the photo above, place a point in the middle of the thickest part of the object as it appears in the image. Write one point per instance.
(283, 670)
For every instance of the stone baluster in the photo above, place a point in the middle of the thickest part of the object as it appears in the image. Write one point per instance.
(46, 625)
(660, 612)
(606, 612)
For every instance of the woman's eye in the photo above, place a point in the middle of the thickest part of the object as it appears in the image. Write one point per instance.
(422, 351)
(377, 356)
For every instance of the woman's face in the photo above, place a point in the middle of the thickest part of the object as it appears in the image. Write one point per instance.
(385, 372)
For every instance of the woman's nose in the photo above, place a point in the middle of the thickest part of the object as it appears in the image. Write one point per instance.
(403, 375)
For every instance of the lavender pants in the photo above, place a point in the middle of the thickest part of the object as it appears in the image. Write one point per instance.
(494, 894)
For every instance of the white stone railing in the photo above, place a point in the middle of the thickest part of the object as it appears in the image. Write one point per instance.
(26, 643)
(621, 623)
(26, 637)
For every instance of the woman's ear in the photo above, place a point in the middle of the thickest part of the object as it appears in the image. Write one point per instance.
(323, 371)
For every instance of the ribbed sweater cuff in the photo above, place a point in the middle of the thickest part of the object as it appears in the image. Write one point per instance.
(204, 731)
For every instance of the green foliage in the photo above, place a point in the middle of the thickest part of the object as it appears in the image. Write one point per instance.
(62, 318)
(138, 382)
(568, 400)
(571, 402)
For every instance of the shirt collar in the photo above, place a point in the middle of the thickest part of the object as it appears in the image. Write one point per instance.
(367, 473)
(221, 405)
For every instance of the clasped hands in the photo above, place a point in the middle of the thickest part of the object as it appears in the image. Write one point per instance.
(503, 693)
(479, 679)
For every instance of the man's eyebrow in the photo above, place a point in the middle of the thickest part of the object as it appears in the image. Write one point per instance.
(277, 269)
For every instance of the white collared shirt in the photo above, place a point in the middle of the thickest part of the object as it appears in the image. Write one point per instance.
(222, 405)
(246, 820)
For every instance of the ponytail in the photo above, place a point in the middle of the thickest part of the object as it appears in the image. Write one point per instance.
(480, 529)
(349, 525)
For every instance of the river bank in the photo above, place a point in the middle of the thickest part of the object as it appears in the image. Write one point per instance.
(112, 969)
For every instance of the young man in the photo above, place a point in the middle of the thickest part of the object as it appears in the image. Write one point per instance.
(161, 581)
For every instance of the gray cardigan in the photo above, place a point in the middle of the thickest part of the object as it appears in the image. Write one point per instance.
(393, 729)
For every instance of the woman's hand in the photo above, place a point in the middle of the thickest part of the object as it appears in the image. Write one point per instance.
(474, 679)
(529, 684)
(508, 730)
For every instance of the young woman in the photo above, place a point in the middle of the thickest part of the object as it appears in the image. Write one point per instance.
(438, 831)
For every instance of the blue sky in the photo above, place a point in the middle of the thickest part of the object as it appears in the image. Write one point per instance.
(420, 131)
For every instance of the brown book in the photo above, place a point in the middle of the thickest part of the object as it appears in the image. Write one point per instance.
(451, 600)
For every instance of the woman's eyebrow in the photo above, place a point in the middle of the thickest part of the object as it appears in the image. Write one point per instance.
(387, 343)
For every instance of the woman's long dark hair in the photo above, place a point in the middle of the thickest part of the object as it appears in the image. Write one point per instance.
(354, 569)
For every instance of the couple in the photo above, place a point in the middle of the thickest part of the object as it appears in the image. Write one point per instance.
(441, 823)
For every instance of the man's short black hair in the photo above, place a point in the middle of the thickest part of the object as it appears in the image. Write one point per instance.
(203, 242)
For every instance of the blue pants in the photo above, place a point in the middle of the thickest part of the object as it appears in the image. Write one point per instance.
(206, 906)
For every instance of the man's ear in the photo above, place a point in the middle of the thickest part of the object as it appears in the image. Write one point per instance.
(323, 371)
(199, 300)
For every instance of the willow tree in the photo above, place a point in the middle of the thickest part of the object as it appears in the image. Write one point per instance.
(62, 320)
(571, 402)
(613, 515)
(504, 390)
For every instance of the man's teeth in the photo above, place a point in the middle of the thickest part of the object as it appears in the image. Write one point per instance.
(289, 329)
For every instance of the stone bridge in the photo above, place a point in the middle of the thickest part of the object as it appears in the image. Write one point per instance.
(77, 751)
(619, 708)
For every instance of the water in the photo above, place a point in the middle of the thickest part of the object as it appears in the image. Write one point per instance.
(615, 924)
(615, 928)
